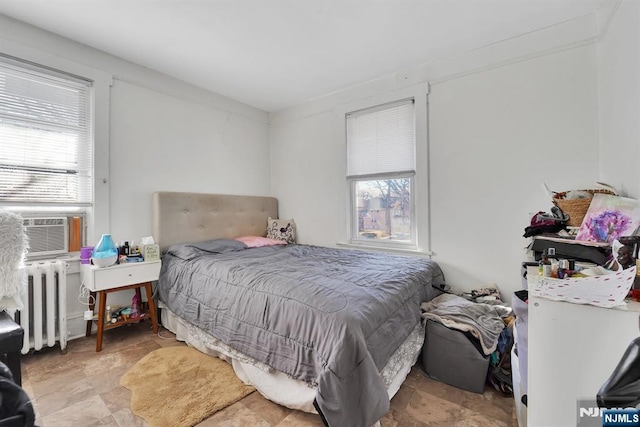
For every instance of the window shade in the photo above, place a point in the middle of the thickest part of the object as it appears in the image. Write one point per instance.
(381, 140)
(46, 147)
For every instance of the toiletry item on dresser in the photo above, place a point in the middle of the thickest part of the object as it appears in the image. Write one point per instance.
(545, 265)
(135, 307)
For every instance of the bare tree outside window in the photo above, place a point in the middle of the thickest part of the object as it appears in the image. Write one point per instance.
(384, 209)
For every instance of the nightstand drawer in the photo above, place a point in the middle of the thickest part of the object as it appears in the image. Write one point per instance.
(97, 279)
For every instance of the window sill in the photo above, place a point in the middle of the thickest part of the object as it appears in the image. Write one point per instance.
(71, 258)
(367, 247)
(68, 256)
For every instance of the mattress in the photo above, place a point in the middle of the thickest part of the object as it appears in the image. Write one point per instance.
(277, 386)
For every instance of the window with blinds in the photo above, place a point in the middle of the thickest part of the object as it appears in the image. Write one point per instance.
(380, 171)
(46, 142)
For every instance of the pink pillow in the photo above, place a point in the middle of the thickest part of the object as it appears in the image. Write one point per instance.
(257, 241)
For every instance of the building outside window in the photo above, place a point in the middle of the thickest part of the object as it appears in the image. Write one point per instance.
(380, 172)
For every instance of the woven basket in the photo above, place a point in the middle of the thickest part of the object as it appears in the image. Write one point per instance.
(576, 208)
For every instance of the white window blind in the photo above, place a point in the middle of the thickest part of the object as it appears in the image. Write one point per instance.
(46, 141)
(381, 140)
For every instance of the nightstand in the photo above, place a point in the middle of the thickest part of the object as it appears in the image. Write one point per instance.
(101, 281)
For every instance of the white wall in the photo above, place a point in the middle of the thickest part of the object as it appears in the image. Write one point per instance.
(163, 142)
(619, 99)
(496, 136)
(154, 133)
(153, 119)
(308, 177)
(498, 129)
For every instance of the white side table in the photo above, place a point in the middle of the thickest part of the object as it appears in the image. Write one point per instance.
(103, 280)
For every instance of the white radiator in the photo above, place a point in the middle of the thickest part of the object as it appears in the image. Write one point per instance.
(44, 317)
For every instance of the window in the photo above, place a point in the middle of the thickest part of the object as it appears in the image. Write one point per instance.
(46, 139)
(380, 173)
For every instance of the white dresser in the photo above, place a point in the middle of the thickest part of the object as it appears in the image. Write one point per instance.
(572, 351)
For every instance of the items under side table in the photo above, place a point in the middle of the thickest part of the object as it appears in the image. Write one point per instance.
(102, 296)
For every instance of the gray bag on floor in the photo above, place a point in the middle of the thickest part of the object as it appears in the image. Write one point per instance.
(450, 356)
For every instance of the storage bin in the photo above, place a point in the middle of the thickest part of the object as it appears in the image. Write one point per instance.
(449, 356)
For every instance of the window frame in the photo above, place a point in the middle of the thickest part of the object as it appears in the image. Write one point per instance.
(421, 188)
(354, 229)
(96, 215)
(66, 82)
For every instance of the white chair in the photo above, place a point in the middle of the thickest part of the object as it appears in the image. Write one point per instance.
(13, 248)
(13, 285)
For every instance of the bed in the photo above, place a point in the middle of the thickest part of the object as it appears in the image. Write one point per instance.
(326, 330)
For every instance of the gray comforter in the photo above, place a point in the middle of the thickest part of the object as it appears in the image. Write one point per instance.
(330, 317)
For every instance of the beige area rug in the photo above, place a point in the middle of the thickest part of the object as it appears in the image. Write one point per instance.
(180, 386)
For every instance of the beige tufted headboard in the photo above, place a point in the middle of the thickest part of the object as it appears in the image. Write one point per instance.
(196, 217)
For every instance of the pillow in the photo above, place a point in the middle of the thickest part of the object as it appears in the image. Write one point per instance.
(189, 251)
(281, 229)
(218, 246)
(257, 241)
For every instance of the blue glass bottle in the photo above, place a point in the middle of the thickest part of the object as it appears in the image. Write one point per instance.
(105, 253)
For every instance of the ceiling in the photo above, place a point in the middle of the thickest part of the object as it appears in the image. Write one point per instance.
(274, 54)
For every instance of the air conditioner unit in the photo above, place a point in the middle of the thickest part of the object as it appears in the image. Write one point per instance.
(47, 236)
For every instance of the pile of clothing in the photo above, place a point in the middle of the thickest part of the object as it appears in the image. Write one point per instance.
(482, 314)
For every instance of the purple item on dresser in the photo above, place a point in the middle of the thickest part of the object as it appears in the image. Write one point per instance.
(85, 254)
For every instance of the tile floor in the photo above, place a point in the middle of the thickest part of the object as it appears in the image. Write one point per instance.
(81, 388)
